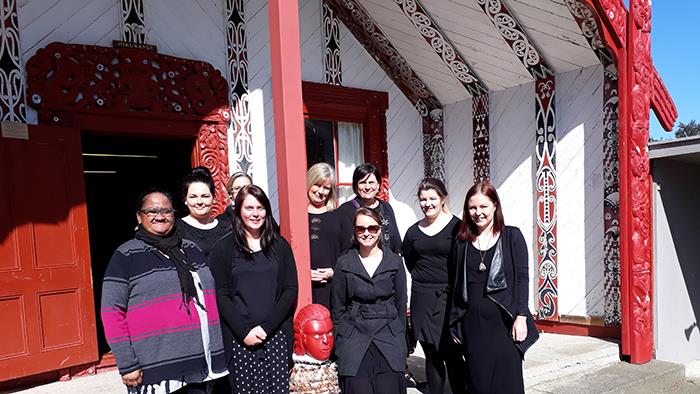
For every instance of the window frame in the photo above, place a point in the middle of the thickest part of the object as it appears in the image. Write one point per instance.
(344, 104)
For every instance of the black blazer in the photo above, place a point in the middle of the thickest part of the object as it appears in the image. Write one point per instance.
(222, 260)
(507, 283)
(369, 310)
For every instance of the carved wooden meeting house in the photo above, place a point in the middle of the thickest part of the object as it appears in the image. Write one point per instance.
(549, 99)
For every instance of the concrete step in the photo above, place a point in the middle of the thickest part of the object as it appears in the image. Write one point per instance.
(653, 377)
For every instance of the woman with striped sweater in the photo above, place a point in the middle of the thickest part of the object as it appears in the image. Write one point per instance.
(159, 307)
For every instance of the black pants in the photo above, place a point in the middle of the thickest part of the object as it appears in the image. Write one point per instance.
(194, 388)
(374, 376)
(448, 357)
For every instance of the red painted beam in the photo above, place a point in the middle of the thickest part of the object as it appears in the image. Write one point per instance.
(290, 141)
(662, 103)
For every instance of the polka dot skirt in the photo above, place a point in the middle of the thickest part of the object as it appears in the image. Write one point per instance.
(262, 370)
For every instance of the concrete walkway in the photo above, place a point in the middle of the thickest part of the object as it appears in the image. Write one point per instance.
(556, 364)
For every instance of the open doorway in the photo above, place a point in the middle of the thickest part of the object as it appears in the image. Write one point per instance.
(116, 170)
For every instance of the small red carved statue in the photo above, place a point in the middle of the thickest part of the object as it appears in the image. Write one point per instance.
(313, 373)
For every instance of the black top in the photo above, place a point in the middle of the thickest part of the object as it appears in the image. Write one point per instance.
(325, 239)
(391, 238)
(261, 290)
(227, 216)
(205, 239)
(426, 256)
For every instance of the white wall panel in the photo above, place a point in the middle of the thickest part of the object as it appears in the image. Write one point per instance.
(188, 29)
(459, 157)
(72, 21)
(580, 191)
(512, 136)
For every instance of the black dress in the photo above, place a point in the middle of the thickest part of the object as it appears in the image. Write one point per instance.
(205, 239)
(493, 360)
(426, 259)
(324, 238)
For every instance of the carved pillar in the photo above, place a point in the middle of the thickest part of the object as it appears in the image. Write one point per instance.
(546, 141)
(635, 202)
(133, 23)
(480, 142)
(237, 52)
(212, 152)
(332, 70)
(13, 107)
(586, 19)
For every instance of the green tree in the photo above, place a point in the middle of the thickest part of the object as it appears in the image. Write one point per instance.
(689, 129)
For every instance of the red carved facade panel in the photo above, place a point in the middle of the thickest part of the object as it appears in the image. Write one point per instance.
(133, 90)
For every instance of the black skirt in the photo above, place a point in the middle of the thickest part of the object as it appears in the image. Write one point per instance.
(428, 306)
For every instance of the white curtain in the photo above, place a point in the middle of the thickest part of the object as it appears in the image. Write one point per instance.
(350, 155)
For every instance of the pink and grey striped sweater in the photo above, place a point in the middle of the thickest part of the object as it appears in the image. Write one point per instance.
(145, 322)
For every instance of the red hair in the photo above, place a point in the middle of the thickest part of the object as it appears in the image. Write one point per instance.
(468, 231)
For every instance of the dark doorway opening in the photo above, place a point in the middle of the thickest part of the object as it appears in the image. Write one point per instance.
(117, 169)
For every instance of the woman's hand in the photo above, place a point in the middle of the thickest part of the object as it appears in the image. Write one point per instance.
(321, 275)
(256, 336)
(519, 331)
(133, 379)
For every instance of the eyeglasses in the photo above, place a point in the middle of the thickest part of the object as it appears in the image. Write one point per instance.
(373, 229)
(151, 213)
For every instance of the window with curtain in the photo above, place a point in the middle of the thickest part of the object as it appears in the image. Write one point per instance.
(339, 144)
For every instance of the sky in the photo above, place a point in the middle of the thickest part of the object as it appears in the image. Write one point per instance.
(675, 48)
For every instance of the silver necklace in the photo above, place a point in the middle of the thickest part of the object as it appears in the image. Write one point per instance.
(482, 253)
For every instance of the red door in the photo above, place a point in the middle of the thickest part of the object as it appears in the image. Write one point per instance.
(46, 297)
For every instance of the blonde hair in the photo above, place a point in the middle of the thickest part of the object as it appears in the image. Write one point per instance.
(318, 173)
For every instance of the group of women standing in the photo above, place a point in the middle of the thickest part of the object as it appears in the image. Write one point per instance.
(191, 300)
(469, 291)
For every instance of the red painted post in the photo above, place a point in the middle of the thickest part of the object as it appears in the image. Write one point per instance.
(636, 231)
(290, 141)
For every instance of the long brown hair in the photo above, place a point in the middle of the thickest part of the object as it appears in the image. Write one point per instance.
(468, 231)
(269, 229)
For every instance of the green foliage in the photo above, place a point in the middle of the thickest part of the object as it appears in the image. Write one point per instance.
(689, 129)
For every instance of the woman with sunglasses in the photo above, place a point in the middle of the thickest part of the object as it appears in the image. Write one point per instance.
(159, 307)
(426, 249)
(199, 194)
(366, 184)
(368, 307)
(256, 286)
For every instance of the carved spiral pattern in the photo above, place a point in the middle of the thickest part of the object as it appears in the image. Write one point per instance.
(430, 31)
(12, 82)
(331, 47)
(211, 140)
(546, 199)
(133, 21)
(237, 52)
(514, 35)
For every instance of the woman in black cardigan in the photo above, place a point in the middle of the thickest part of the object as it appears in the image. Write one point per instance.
(256, 288)
(490, 314)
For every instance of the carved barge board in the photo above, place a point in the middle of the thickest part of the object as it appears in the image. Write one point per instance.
(375, 42)
(13, 107)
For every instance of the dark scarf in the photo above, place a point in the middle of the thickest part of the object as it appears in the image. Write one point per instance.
(171, 246)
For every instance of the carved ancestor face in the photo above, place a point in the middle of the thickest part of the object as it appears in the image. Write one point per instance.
(313, 332)
(317, 337)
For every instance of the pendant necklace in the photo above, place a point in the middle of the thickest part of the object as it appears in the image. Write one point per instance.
(482, 253)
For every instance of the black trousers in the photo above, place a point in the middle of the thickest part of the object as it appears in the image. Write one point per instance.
(374, 376)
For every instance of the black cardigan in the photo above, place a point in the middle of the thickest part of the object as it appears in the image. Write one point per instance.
(222, 260)
(391, 237)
